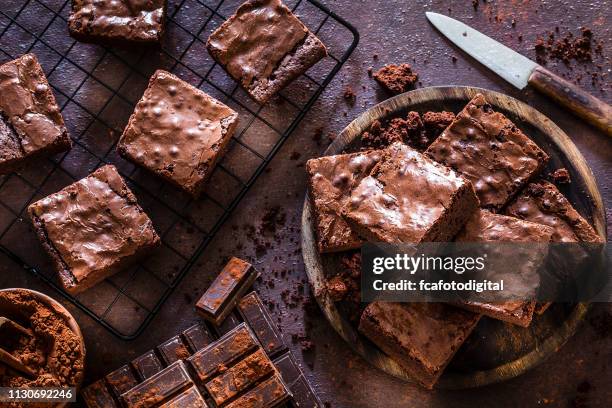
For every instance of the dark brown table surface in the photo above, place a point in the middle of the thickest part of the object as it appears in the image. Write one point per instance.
(580, 374)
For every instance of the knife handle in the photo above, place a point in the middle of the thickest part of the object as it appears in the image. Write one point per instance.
(583, 104)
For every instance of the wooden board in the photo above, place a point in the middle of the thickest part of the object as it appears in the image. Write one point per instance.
(496, 351)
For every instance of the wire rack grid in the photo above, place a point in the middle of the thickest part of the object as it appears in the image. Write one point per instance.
(97, 88)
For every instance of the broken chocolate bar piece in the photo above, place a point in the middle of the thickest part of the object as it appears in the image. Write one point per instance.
(160, 388)
(304, 395)
(173, 350)
(212, 359)
(97, 395)
(420, 337)
(256, 315)
(197, 337)
(147, 365)
(239, 377)
(221, 297)
(268, 394)
(190, 398)
(121, 380)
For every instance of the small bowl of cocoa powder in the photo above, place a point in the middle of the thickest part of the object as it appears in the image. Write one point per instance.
(53, 349)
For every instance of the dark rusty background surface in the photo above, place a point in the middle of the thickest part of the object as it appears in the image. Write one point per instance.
(579, 375)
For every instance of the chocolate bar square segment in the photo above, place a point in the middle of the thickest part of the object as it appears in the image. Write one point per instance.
(264, 47)
(485, 226)
(239, 377)
(121, 380)
(197, 337)
(190, 398)
(173, 350)
(147, 365)
(410, 198)
(160, 388)
(228, 324)
(420, 337)
(92, 229)
(330, 181)
(303, 395)
(490, 151)
(221, 354)
(97, 395)
(177, 132)
(258, 318)
(31, 124)
(221, 297)
(268, 394)
(119, 21)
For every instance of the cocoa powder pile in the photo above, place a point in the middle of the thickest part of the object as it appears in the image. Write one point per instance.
(53, 352)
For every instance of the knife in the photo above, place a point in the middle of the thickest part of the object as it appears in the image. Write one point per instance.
(520, 71)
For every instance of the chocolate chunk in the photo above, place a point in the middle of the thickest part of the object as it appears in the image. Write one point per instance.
(490, 151)
(219, 355)
(389, 204)
(330, 181)
(147, 365)
(396, 78)
(160, 388)
(95, 234)
(197, 337)
(264, 46)
(421, 337)
(121, 380)
(304, 395)
(117, 21)
(221, 297)
(177, 132)
(190, 398)
(173, 350)
(31, 124)
(239, 377)
(257, 316)
(267, 394)
(97, 395)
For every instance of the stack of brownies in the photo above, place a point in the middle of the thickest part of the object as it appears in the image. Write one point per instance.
(473, 183)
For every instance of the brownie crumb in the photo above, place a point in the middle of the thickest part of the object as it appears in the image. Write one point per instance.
(568, 48)
(349, 96)
(396, 78)
(337, 288)
(561, 176)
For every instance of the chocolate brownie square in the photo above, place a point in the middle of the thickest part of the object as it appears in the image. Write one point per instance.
(330, 180)
(117, 21)
(485, 226)
(264, 47)
(31, 124)
(490, 151)
(421, 337)
(92, 229)
(177, 132)
(409, 198)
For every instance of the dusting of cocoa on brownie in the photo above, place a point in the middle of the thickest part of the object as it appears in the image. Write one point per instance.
(396, 78)
(415, 130)
(60, 368)
(561, 176)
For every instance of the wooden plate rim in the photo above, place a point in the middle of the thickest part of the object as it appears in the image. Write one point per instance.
(313, 263)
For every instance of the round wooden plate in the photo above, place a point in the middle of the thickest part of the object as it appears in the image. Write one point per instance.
(495, 351)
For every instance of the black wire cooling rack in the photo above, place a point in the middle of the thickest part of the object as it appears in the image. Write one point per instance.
(97, 88)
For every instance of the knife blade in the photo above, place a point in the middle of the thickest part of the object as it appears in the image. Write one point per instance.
(520, 71)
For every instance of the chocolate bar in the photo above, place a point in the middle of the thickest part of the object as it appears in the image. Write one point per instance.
(147, 365)
(228, 324)
(173, 350)
(304, 395)
(160, 388)
(221, 297)
(197, 337)
(121, 380)
(239, 377)
(256, 315)
(267, 394)
(209, 361)
(190, 398)
(97, 395)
